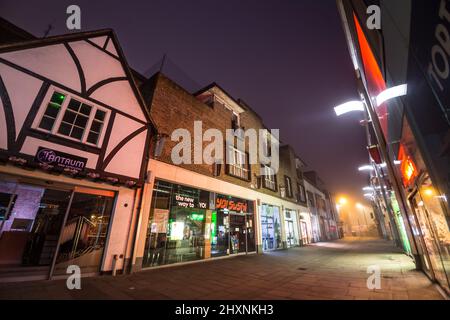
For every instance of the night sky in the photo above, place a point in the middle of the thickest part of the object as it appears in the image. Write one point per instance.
(287, 59)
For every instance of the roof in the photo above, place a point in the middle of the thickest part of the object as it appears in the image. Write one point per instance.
(11, 33)
(40, 42)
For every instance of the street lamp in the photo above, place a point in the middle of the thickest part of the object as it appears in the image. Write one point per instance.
(366, 168)
(357, 105)
(348, 107)
(369, 105)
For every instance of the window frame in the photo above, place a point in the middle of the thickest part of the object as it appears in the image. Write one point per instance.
(62, 111)
(232, 150)
(301, 193)
(265, 179)
(288, 183)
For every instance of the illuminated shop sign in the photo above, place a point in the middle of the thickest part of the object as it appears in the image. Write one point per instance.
(188, 202)
(407, 167)
(373, 75)
(60, 159)
(232, 204)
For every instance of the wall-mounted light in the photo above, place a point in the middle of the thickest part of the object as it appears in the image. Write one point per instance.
(365, 168)
(348, 107)
(391, 93)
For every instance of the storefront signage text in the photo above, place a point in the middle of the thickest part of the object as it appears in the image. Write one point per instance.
(60, 159)
(233, 205)
(188, 202)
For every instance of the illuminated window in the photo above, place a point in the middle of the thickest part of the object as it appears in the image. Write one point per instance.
(52, 111)
(69, 117)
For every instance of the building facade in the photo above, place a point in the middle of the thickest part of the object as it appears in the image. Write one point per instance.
(87, 175)
(70, 118)
(199, 211)
(410, 48)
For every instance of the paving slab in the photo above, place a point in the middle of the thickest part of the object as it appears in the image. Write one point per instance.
(326, 270)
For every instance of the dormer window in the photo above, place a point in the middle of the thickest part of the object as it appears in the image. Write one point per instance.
(235, 123)
(73, 119)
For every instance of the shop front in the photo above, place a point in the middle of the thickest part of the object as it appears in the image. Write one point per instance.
(188, 224)
(271, 227)
(428, 218)
(305, 228)
(45, 227)
(291, 227)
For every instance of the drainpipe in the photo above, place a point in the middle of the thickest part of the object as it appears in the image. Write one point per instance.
(136, 210)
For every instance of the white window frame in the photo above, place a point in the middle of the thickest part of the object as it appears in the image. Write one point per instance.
(288, 186)
(58, 120)
(269, 178)
(238, 167)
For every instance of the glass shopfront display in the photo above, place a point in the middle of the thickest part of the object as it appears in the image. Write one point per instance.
(271, 227)
(434, 232)
(33, 232)
(188, 224)
(291, 227)
(237, 223)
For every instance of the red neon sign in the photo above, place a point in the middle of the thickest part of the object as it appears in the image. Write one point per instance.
(407, 167)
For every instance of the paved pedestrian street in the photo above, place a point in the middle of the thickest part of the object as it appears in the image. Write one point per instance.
(328, 270)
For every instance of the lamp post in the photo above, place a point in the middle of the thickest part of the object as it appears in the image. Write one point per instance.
(366, 104)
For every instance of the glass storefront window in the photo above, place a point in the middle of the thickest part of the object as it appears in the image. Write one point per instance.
(271, 227)
(32, 230)
(183, 225)
(435, 230)
(291, 226)
(30, 224)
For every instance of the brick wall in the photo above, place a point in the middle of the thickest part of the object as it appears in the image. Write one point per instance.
(172, 107)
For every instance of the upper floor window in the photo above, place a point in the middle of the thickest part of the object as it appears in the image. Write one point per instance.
(75, 119)
(52, 111)
(235, 123)
(67, 116)
(239, 167)
(269, 178)
(288, 183)
(301, 193)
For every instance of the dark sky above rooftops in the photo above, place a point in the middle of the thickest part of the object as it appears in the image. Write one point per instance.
(287, 59)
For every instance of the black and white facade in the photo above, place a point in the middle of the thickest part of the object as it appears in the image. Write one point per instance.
(74, 143)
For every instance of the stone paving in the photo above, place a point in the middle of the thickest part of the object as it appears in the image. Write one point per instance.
(328, 270)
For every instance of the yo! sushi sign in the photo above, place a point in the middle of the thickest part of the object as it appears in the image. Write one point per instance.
(60, 159)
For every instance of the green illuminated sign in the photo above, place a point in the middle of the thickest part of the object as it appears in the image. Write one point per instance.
(197, 217)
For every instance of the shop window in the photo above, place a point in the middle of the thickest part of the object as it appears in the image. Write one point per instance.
(270, 227)
(69, 117)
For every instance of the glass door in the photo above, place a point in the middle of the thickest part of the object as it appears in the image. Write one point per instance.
(290, 236)
(31, 218)
(83, 237)
(304, 230)
(238, 233)
(267, 231)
